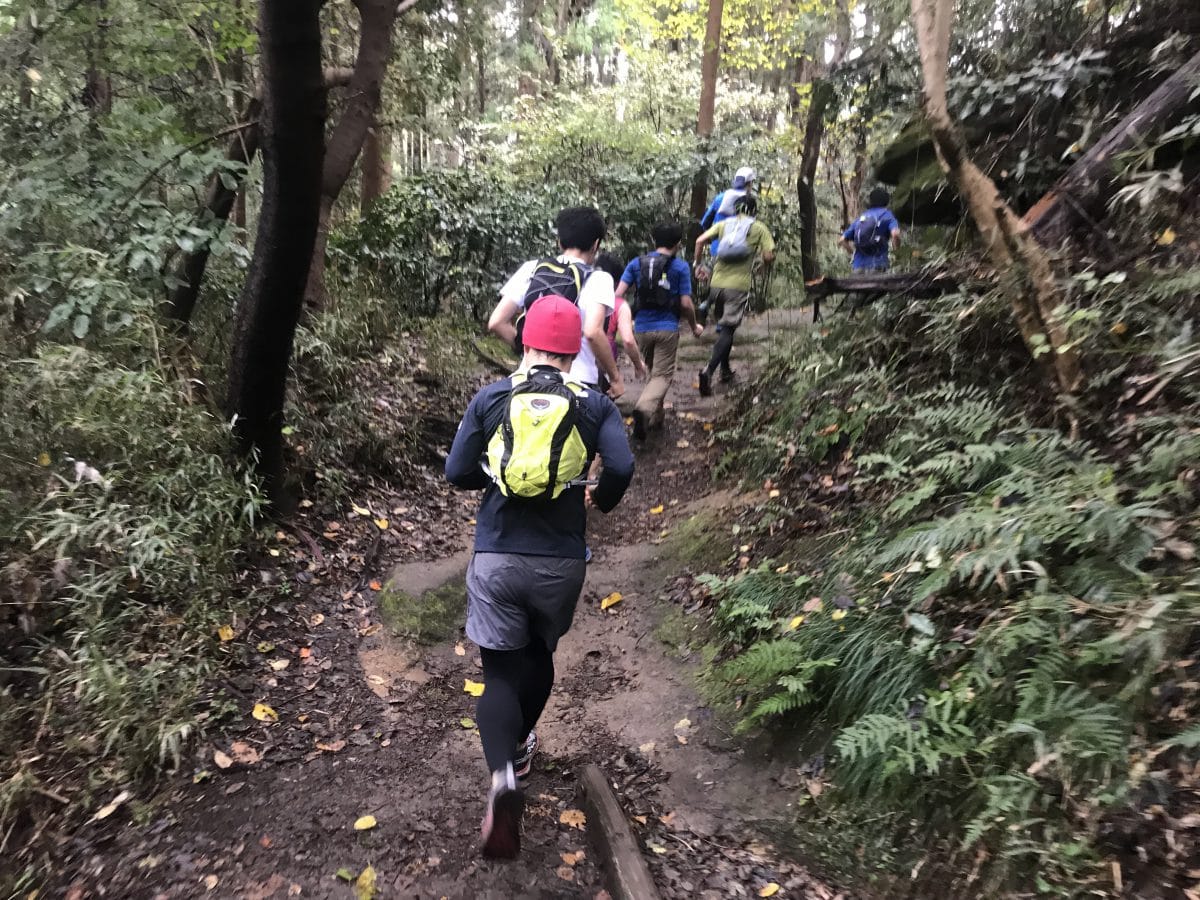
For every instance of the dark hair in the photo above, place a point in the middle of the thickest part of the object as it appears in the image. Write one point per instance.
(666, 234)
(607, 262)
(579, 227)
(562, 359)
(746, 204)
(879, 197)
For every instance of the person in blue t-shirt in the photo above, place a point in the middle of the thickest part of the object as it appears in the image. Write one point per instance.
(661, 286)
(722, 206)
(871, 235)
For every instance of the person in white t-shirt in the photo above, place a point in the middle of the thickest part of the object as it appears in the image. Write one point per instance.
(570, 274)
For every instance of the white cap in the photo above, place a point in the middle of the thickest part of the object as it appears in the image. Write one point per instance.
(746, 173)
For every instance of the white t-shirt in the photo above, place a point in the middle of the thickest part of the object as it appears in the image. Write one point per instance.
(598, 289)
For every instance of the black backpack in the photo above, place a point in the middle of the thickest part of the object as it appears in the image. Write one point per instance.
(869, 236)
(653, 288)
(550, 276)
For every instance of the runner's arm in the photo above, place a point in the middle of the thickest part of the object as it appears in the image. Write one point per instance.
(703, 241)
(500, 323)
(464, 467)
(688, 309)
(593, 333)
(628, 341)
(613, 448)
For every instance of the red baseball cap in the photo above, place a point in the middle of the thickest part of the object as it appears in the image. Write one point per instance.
(553, 325)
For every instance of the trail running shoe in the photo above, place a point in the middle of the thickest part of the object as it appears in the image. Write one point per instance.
(705, 383)
(639, 425)
(728, 376)
(501, 826)
(523, 761)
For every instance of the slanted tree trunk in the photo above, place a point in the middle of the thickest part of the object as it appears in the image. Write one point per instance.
(219, 201)
(1087, 185)
(376, 165)
(293, 148)
(365, 89)
(710, 63)
(1035, 295)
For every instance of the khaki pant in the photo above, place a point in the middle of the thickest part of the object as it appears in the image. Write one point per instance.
(658, 349)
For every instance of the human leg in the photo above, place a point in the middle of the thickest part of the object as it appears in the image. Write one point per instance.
(721, 350)
(665, 346)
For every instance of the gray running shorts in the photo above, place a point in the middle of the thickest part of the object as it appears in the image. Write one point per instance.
(511, 597)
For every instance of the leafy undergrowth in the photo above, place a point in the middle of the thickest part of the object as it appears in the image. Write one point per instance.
(985, 604)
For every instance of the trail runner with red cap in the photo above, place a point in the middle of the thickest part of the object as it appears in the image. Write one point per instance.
(526, 442)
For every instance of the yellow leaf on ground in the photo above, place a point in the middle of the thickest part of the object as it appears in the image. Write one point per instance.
(769, 890)
(782, 570)
(459, 649)
(264, 713)
(838, 615)
(573, 818)
(265, 647)
(611, 600)
(225, 632)
(273, 552)
(1119, 328)
(361, 510)
(708, 426)
(381, 524)
(222, 759)
(467, 722)
(474, 688)
(43, 458)
(364, 823)
(364, 885)
(773, 493)
(1167, 238)
(796, 622)
(656, 510)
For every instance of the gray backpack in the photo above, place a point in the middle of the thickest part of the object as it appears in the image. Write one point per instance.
(735, 241)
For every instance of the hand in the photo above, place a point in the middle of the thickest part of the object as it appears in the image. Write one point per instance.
(587, 497)
(641, 371)
(617, 388)
(697, 329)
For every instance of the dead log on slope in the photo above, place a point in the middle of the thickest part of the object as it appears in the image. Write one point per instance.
(1080, 194)
(867, 288)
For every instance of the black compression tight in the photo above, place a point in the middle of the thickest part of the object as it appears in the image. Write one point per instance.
(518, 684)
(720, 351)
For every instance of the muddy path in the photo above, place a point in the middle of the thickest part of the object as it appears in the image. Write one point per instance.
(363, 721)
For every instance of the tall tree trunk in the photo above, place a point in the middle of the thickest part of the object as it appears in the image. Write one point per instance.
(376, 165)
(293, 147)
(709, 65)
(362, 101)
(1035, 295)
(814, 133)
(219, 201)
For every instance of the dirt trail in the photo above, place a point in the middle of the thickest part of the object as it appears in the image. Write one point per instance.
(371, 724)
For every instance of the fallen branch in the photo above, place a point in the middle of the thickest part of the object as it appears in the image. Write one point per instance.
(918, 285)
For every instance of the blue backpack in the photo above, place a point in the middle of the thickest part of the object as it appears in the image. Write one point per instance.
(869, 236)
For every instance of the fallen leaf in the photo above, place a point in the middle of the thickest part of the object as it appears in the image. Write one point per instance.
(682, 727)
(647, 748)
(656, 510)
(566, 873)
(657, 848)
(264, 713)
(265, 647)
(345, 874)
(466, 722)
(459, 649)
(683, 443)
(111, 807)
(305, 652)
(364, 823)
(641, 819)
(572, 858)
(244, 753)
(361, 510)
(573, 818)
(1119, 328)
(838, 615)
(222, 759)
(1167, 238)
(773, 494)
(201, 776)
(707, 426)
(265, 841)
(668, 819)
(782, 570)
(225, 632)
(294, 890)
(273, 551)
(474, 688)
(278, 665)
(795, 623)
(364, 885)
(331, 746)
(769, 890)
(210, 882)
(375, 585)
(814, 605)
(43, 458)
(316, 619)
(611, 600)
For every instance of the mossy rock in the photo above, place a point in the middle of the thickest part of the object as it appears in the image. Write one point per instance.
(428, 617)
(699, 541)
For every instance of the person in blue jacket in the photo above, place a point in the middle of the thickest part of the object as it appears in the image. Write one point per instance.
(722, 206)
(872, 234)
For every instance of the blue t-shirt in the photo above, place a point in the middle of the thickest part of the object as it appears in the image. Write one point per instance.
(712, 216)
(869, 261)
(679, 281)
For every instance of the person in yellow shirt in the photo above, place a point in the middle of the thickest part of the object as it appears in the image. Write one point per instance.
(741, 240)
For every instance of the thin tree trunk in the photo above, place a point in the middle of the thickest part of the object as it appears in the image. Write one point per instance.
(366, 86)
(1035, 296)
(814, 133)
(376, 166)
(293, 147)
(709, 65)
(219, 201)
